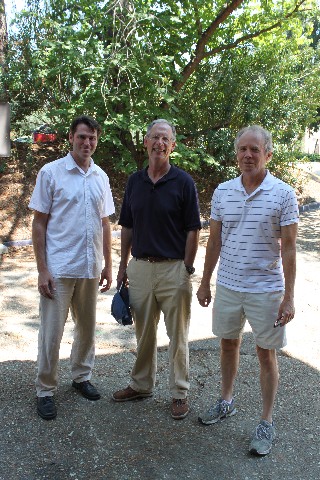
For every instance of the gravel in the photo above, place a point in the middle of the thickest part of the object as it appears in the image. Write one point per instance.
(106, 440)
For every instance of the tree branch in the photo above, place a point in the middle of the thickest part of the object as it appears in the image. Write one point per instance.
(200, 47)
(192, 135)
(249, 36)
(200, 52)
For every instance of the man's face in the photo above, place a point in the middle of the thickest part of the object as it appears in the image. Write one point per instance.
(84, 143)
(251, 154)
(159, 142)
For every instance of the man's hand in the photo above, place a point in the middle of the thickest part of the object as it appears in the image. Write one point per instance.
(46, 285)
(286, 312)
(204, 295)
(105, 279)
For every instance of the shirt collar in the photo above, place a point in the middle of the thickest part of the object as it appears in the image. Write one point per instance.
(172, 173)
(266, 184)
(71, 164)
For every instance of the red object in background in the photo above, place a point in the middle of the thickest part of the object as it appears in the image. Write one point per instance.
(44, 137)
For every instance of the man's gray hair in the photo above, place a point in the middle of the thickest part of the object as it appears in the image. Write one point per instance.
(265, 134)
(162, 120)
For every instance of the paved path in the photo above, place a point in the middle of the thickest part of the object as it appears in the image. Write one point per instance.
(103, 440)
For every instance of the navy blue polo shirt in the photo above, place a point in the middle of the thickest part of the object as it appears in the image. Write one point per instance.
(160, 214)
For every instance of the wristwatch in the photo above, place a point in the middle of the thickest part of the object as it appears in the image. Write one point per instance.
(190, 270)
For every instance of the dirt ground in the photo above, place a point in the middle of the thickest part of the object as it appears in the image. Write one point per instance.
(17, 183)
(107, 441)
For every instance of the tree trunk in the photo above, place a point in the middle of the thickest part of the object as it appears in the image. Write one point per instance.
(4, 93)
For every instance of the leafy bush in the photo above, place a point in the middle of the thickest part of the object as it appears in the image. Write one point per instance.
(283, 165)
(306, 157)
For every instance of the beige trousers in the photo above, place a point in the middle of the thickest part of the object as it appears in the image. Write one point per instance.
(80, 296)
(156, 287)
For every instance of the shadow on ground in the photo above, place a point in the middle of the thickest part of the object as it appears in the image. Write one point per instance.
(108, 440)
(309, 233)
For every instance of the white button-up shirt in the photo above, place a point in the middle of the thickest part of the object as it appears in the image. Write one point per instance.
(76, 201)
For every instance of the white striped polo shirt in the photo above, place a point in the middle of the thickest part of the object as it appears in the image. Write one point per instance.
(250, 258)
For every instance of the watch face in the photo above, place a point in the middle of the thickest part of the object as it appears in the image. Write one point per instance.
(190, 270)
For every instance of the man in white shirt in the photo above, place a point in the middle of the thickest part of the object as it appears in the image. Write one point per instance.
(253, 231)
(71, 235)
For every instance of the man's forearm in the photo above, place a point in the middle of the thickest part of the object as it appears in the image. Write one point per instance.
(39, 245)
(211, 260)
(288, 254)
(126, 242)
(289, 272)
(212, 252)
(107, 242)
(191, 247)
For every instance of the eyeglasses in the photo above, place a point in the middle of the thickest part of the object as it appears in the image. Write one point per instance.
(157, 138)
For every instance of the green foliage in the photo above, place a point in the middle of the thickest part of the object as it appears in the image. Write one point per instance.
(284, 166)
(128, 62)
(306, 157)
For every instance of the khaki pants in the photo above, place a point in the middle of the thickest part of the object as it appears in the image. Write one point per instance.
(80, 295)
(156, 287)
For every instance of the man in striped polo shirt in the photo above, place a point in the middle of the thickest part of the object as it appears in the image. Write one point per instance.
(253, 230)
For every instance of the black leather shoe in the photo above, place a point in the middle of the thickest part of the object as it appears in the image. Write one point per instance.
(46, 408)
(87, 390)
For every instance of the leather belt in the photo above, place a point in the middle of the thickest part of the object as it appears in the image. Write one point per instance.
(154, 259)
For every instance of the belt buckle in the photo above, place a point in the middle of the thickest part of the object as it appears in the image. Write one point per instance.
(152, 259)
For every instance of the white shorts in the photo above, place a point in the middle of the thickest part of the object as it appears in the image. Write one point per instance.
(232, 308)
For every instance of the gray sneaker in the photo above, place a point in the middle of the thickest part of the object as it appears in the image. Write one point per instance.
(263, 436)
(220, 410)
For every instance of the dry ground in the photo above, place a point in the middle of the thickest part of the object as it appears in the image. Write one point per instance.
(104, 440)
(17, 183)
(15, 220)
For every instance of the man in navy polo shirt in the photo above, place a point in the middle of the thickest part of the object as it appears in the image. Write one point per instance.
(160, 226)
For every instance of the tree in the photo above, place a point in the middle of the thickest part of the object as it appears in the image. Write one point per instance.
(209, 67)
(4, 95)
